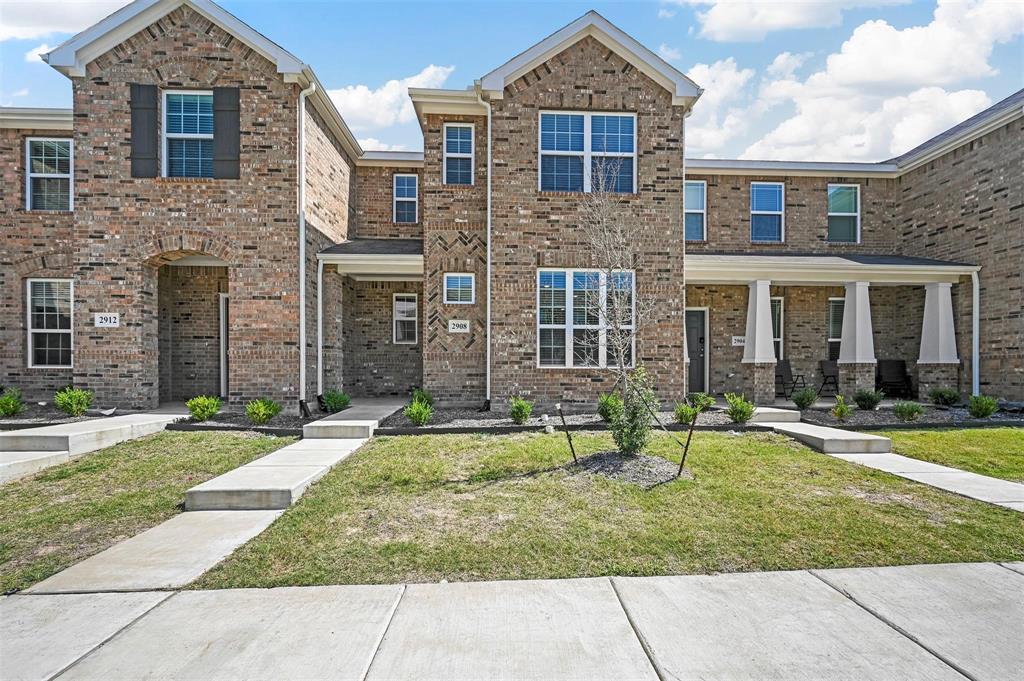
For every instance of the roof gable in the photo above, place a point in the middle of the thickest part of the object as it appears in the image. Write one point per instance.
(684, 91)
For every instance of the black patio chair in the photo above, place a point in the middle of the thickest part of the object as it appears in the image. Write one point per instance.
(785, 381)
(829, 374)
(892, 378)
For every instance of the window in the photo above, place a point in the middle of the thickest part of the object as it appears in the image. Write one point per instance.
(582, 152)
(49, 323)
(835, 326)
(844, 213)
(459, 289)
(695, 200)
(49, 165)
(777, 328)
(578, 314)
(188, 134)
(458, 153)
(403, 319)
(766, 221)
(406, 198)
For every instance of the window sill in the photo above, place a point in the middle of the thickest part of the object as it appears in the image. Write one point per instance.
(696, 241)
(48, 211)
(767, 243)
(184, 180)
(31, 367)
(842, 243)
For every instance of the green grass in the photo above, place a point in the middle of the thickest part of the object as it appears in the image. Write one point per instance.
(998, 452)
(472, 507)
(69, 512)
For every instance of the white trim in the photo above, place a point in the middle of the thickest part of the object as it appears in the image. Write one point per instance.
(70, 175)
(829, 213)
(394, 199)
(703, 211)
(828, 323)
(781, 338)
(441, 101)
(222, 324)
(445, 154)
(707, 346)
(587, 154)
(395, 319)
(781, 213)
(472, 288)
(29, 330)
(35, 118)
(728, 166)
(164, 135)
(391, 159)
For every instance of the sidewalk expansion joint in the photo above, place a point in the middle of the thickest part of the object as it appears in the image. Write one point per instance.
(636, 632)
(383, 633)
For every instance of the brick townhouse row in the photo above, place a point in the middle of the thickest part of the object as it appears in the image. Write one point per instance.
(202, 221)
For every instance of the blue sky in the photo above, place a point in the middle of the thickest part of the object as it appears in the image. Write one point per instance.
(811, 80)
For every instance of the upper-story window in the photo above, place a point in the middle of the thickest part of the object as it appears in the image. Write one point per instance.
(188, 134)
(695, 200)
(458, 153)
(767, 224)
(582, 152)
(48, 182)
(844, 213)
(406, 198)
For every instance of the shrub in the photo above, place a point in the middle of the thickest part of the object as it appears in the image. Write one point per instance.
(419, 412)
(740, 409)
(262, 410)
(609, 407)
(907, 411)
(841, 410)
(804, 398)
(632, 429)
(696, 403)
(203, 407)
(944, 397)
(10, 402)
(519, 409)
(421, 395)
(73, 401)
(868, 399)
(335, 401)
(982, 406)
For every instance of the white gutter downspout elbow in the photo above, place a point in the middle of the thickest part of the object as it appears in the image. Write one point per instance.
(487, 334)
(975, 334)
(302, 240)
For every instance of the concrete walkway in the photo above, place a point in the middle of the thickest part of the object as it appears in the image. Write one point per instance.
(916, 622)
(358, 421)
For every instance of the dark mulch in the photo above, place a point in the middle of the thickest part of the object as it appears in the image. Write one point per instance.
(43, 415)
(952, 416)
(646, 471)
(499, 418)
(235, 418)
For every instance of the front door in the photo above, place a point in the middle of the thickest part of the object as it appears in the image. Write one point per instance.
(696, 345)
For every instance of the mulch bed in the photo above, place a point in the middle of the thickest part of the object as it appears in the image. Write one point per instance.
(36, 415)
(646, 471)
(468, 420)
(932, 417)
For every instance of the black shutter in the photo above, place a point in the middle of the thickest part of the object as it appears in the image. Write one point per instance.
(145, 161)
(226, 136)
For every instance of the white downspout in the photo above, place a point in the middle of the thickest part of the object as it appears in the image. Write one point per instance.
(302, 238)
(975, 334)
(319, 327)
(487, 335)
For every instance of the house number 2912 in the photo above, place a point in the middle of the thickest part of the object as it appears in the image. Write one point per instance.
(107, 319)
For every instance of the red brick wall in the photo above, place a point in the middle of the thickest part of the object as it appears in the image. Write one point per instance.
(374, 208)
(189, 303)
(373, 364)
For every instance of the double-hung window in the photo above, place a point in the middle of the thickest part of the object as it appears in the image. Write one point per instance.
(458, 288)
(695, 203)
(458, 153)
(835, 326)
(406, 198)
(49, 323)
(403, 319)
(585, 319)
(844, 213)
(48, 182)
(777, 325)
(766, 212)
(188, 134)
(583, 152)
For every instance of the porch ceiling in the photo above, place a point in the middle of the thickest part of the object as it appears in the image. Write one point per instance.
(376, 259)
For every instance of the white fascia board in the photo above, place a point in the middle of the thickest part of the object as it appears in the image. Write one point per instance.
(360, 264)
(24, 118)
(391, 159)
(715, 166)
(438, 101)
(824, 271)
(684, 91)
(982, 128)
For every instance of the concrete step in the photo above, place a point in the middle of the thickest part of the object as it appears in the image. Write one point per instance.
(358, 421)
(325, 428)
(82, 437)
(18, 464)
(774, 415)
(832, 440)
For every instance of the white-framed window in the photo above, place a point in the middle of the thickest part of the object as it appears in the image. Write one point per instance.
(582, 152)
(48, 312)
(458, 153)
(695, 203)
(835, 326)
(844, 213)
(188, 133)
(778, 324)
(573, 312)
(767, 221)
(459, 288)
(405, 329)
(49, 173)
(405, 194)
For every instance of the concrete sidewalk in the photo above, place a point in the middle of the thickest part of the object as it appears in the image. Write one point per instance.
(914, 622)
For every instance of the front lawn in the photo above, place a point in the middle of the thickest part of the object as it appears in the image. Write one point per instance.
(998, 452)
(69, 512)
(473, 507)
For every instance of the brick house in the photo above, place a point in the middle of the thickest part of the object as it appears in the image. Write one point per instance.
(202, 221)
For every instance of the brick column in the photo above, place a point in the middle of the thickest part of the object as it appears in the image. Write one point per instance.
(761, 383)
(931, 376)
(856, 376)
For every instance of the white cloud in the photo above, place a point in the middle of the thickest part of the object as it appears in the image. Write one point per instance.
(374, 144)
(365, 109)
(669, 53)
(665, 13)
(38, 18)
(785, 64)
(34, 56)
(720, 114)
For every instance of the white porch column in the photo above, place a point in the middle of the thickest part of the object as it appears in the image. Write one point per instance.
(857, 344)
(938, 342)
(759, 347)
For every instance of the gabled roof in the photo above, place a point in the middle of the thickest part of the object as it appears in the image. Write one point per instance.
(684, 91)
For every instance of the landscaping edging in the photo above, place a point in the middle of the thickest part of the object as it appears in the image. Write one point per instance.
(960, 425)
(264, 430)
(559, 428)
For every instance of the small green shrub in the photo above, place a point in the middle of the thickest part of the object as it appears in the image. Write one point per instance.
(609, 407)
(841, 410)
(632, 429)
(11, 403)
(519, 409)
(696, 403)
(203, 407)
(421, 395)
(944, 397)
(907, 411)
(804, 398)
(982, 406)
(740, 409)
(419, 412)
(868, 399)
(73, 401)
(335, 401)
(262, 410)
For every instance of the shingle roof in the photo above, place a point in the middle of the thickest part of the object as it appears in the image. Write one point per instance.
(377, 247)
(857, 258)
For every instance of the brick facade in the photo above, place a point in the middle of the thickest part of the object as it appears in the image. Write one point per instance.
(189, 323)
(373, 363)
(375, 208)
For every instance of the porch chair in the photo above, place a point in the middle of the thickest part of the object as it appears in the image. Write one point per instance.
(829, 375)
(785, 381)
(892, 378)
